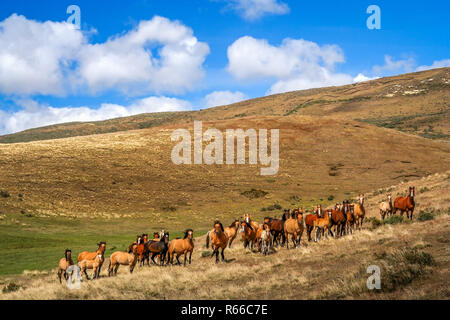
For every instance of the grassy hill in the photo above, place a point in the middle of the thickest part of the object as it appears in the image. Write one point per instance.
(416, 103)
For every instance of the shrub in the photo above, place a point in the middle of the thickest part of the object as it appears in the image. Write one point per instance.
(425, 216)
(330, 198)
(375, 222)
(424, 189)
(11, 287)
(254, 194)
(393, 220)
(4, 194)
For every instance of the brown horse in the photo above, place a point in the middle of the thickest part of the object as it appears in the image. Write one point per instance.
(276, 228)
(405, 204)
(294, 227)
(85, 255)
(123, 258)
(323, 225)
(360, 212)
(182, 247)
(339, 220)
(249, 234)
(248, 219)
(92, 264)
(310, 218)
(218, 240)
(232, 232)
(65, 263)
(350, 219)
(158, 247)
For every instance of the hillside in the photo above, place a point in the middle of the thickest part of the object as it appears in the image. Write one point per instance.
(416, 103)
(413, 257)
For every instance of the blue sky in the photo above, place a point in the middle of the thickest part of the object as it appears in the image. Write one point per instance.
(147, 55)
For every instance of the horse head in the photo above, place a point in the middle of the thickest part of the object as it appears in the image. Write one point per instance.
(101, 246)
(189, 234)
(165, 238)
(68, 254)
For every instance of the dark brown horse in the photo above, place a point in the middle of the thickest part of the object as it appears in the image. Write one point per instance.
(405, 204)
(310, 218)
(158, 248)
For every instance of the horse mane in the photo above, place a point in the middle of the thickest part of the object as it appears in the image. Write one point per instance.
(186, 233)
(248, 225)
(232, 224)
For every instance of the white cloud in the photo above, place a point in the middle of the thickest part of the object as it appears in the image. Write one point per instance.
(296, 64)
(436, 64)
(52, 58)
(362, 78)
(127, 62)
(395, 66)
(35, 56)
(33, 114)
(255, 9)
(222, 98)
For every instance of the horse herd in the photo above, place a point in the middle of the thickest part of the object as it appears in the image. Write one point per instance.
(337, 221)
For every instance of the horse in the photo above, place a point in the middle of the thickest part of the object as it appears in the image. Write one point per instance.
(95, 265)
(310, 218)
(339, 219)
(350, 219)
(265, 239)
(123, 258)
(360, 212)
(294, 227)
(276, 228)
(386, 207)
(232, 231)
(248, 232)
(182, 247)
(85, 255)
(64, 264)
(323, 225)
(158, 247)
(142, 252)
(218, 240)
(405, 204)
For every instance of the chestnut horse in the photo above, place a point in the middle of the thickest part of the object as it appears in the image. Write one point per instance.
(350, 219)
(65, 263)
(360, 212)
(249, 234)
(92, 264)
(123, 258)
(276, 228)
(85, 255)
(405, 204)
(310, 218)
(323, 225)
(182, 247)
(339, 220)
(218, 240)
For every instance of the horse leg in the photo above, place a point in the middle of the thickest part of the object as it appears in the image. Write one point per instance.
(190, 257)
(178, 260)
(223, 256)
(217, 255)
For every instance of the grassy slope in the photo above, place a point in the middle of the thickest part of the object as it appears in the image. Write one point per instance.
(131, 173)
(416, 103)
(329, 269)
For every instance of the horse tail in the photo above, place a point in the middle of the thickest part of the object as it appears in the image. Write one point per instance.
(207, 240)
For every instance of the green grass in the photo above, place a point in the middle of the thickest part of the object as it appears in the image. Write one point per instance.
(40, 244)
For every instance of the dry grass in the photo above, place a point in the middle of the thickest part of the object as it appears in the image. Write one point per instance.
(414, 259)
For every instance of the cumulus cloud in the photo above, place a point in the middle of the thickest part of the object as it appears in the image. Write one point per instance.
(32, 114)
(436, 64)
(49, 58)
(296, 64)
(361, 78)
(255, 9)
(127, 61)
(35, 57)
(395, 66)
(222, 98)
